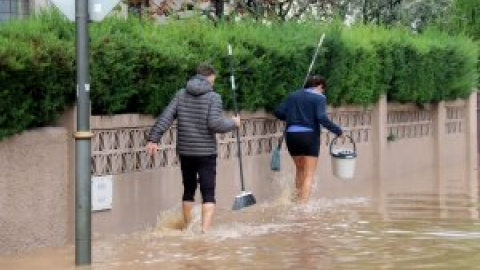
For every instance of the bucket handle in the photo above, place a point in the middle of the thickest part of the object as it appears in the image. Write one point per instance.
(349, 137)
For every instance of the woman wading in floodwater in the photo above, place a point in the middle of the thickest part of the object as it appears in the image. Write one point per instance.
(304, 112)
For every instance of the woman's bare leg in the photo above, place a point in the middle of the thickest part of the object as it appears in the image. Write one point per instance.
(299, 175)
(306, 183)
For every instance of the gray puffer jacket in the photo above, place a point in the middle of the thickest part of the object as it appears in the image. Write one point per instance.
(198, 110)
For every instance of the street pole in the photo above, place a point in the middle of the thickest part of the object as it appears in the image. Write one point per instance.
(83, 135)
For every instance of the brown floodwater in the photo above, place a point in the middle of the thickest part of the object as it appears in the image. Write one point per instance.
(342, 233)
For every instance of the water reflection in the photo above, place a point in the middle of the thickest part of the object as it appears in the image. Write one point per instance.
(414, 232)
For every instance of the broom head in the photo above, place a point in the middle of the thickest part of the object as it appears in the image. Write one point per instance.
(243, 200)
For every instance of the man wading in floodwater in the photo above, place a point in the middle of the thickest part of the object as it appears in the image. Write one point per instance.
(198, 110)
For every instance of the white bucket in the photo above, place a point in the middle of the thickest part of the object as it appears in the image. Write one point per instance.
(343, 160)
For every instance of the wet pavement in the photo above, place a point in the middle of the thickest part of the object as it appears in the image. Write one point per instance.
(342, 233)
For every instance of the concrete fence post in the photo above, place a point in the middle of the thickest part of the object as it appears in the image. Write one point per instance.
(439, 134)
(379, 136)
(471, 152)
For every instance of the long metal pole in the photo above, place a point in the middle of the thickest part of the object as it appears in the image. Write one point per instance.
(313, 60)
(83, 135)
(235, 108)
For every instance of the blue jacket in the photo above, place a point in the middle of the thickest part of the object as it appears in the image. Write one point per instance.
(306, 109)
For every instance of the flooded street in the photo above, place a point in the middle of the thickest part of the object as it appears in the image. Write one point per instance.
(325, 234)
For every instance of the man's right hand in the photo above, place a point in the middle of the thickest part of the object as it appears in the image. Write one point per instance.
(237, 120)
(152, 148)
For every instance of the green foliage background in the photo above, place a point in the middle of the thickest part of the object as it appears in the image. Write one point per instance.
(137, 66)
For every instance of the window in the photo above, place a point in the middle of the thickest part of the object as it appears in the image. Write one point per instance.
(13, 9)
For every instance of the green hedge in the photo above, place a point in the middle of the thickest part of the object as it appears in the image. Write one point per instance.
(136, 66)
(37, 76)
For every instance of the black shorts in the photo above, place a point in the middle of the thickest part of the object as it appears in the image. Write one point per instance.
(199, 170)
(303, 143)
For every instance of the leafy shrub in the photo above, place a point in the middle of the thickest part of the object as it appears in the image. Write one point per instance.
(137, 66)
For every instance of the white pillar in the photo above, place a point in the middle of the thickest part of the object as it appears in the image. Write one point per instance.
(471, 152)
(439, 138)
(379, 139)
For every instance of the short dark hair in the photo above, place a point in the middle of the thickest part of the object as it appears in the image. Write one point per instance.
(316, 80)
(206, 69)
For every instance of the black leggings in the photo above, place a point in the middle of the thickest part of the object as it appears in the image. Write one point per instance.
(303, 143)
(199, 170)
